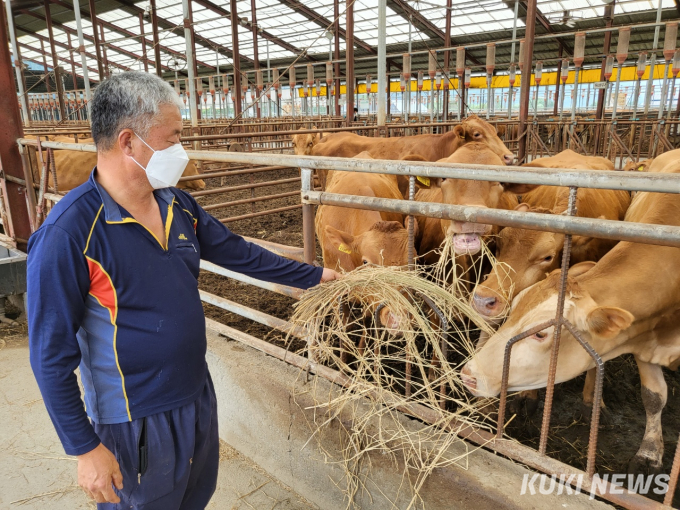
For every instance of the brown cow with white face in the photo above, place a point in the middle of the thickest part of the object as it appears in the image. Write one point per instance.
(350, 238)
(628, 302)
(467, 237)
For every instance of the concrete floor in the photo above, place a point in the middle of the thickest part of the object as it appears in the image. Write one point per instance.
(35, 473)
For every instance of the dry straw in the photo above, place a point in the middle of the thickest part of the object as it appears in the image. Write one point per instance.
(401, 336)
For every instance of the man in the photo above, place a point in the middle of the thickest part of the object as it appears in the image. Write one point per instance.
(113, 288)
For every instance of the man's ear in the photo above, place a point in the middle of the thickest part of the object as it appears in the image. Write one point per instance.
(608, 321)
(518, 189)
(459, 131)
(125, 141)
(340, 240)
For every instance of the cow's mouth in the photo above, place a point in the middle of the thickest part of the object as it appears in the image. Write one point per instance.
(467, 243)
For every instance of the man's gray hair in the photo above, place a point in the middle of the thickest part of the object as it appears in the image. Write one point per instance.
(128, 100)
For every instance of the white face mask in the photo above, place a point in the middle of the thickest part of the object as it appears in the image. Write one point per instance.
(165, 167)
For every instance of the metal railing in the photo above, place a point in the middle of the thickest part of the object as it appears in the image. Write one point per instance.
(569, 225)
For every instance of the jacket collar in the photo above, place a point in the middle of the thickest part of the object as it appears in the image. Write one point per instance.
(114, 212)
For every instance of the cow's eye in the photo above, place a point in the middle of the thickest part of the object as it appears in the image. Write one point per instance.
(364, 262)
(478, 135)
(541, 335)
(310, 144)
(548, 258)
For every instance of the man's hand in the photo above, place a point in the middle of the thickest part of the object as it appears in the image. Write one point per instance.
(329, 274)
(97, 470)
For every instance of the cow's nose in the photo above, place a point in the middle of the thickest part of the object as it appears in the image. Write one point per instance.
(509, 159)
(488, 306)
(467, 378)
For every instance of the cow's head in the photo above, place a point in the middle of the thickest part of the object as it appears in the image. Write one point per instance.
(599, 325)
(189, 171)
(487, 194)
(384, 244)
(305, 142)
(474, 129)
(638, 166)
(523, 258)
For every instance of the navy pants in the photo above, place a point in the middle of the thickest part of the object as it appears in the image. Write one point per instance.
(168, 460)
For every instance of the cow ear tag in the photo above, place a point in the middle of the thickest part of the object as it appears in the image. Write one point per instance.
(641, 168)
(424, 180)
(344, 249)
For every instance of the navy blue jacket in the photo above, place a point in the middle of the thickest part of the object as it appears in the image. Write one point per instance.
(104, 294)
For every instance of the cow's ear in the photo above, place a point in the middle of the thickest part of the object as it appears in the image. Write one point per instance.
(607, 322)
(459, 131)
(580, 268)
(518, 189)
(340, 240)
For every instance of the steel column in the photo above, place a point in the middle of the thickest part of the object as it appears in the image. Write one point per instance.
(447, 58)
(156, 42)
(256, 56)
(349, 62)
(17, 64)
(55, 62)
(143, 42)
(95, 35)
(81, 50)
(382, 64)
(557, 82)
(336, 29)
(19, 200)
(190, 63)
(525, 84)
(73, 64)
(105, 56)
(236, 90)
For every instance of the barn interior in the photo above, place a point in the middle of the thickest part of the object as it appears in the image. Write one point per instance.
(266, 86)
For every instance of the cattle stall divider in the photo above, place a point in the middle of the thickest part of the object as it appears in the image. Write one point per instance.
(569, 225)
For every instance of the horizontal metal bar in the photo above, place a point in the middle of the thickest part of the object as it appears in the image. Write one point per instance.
(261, 213)
(628, 181)
(289, 252)
(605, 229)
(280, 289)
(229, 173)
(510, 449)
(258, 185)
(263, 198)
(252, 314)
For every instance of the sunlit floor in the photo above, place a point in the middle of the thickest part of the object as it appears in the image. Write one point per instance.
(36, 474)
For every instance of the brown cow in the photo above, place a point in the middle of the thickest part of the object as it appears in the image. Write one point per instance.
(638, 166)
(628, 302)
(467, 237)
(75, 167)
(429, 147)
(350, 238)
(526, 256)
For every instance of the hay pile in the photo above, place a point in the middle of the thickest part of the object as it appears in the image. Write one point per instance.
(401, 336)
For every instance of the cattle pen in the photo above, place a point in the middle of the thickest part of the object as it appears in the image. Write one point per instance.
(268, 87)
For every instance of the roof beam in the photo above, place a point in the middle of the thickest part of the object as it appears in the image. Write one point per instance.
(545, 23)
(57, 43)
(71, 31)
(129, 5)
(412, 15)
(41, 52)
(122, 31)
(264, 34)
(325, 23)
